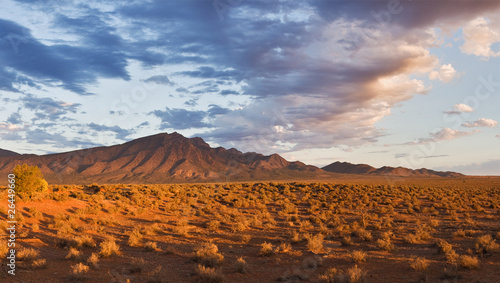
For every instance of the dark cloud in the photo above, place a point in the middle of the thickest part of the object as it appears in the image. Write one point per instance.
(74, 67)
(15, 118)
(215, 110)
(48, 108)
(211, 73)
(228, 92)
(159, 79)
(121, 133)
(181, 119)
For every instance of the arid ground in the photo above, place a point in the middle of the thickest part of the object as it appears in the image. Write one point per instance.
(419, 230)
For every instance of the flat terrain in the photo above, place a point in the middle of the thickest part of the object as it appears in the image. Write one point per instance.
(413, 230)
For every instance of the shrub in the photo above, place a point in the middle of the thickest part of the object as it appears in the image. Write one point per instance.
(315, 243)
(93, 260)
(74, 254)
(109, 248)
(241, 265)
(356, 275)
(78, 270)
(468, 262)
(39, 264)
(485, 244)
(27, 254)
(443, 246)
(358, 256)
(29, 179)
(267, 249)
(419, 264)
(84, 241)
(208, 255)
(346, 241)
(151, 246)
(385, 244)
(209, 275)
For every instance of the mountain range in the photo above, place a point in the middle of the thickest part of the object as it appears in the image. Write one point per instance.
(164, 158)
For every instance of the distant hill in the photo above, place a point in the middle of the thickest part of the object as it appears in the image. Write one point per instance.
(159, 158)
(7, 153)
(349, 168)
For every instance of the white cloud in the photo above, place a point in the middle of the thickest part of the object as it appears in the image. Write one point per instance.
(463, 108)
(450, 134)
(445, 74)
(490, 123)
(9, 127)
(479, 36)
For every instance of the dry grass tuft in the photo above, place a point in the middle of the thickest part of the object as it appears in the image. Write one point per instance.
(208, 255)
(420, 264)
(266, 249)
(109, 248)
(209, 274)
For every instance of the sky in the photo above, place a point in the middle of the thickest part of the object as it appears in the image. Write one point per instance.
(409, 83)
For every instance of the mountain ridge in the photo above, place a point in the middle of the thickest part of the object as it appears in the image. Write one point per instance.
(349, 168)
(164, 158)
(158, 158)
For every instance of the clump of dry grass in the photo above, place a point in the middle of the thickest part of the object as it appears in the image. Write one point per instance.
(27, 254)
(315, 243)
(346, 241)
(443, 246)
(208, 255)
(241, 265)
(266, 249)
(151, 246)
(209, 274)
(74, 254)
(135, 238)
(79, 270)
(93, 260)
(468, 262)
(39, 263)
(109, 248)
(419, 263)
(385, 244)
(356, 275)
(485, 244)
(358, 256)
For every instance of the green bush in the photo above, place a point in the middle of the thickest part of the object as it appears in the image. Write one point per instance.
(29, 179)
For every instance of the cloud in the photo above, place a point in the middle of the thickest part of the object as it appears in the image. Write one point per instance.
(48, 108)
(479, 36)
(15, 118)
(450, 134)
(444, 134)
(121, 134)
(445, 74)
(481, 123)
(180, 119)
(9, 127)
(460, 108)
(75, 67)
(159, 79)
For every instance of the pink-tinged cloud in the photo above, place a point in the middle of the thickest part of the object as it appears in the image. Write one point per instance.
(459, 109)
(445, 74)
(489, 123)
(442, 135)
(450, 134)
(479, 35)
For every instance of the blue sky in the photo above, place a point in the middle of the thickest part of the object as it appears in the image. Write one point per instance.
(396, 83)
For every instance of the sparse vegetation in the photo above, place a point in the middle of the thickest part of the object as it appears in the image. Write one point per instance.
(292, 227)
